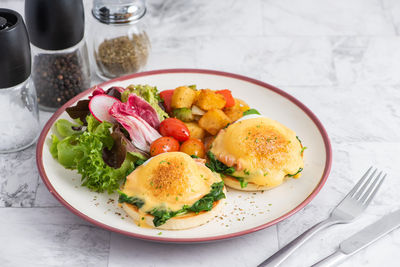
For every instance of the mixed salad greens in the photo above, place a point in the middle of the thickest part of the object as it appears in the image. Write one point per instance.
(118, 129)
(105, 147)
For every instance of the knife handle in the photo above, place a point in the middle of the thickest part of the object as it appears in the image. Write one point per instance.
(331, 260)
(287, 250)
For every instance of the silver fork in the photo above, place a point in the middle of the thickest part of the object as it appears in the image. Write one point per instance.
(353, 204)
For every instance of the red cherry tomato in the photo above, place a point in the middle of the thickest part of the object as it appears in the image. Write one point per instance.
(230, 101)
(175, 128)
(163, 144)
(194, 147)
(166, 96)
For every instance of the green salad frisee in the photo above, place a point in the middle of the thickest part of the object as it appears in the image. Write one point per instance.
(162, 215)
(83, 151)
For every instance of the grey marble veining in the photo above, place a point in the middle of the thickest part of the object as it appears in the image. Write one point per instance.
(341, 17)
(367, 60)
(205, 18)
(18, 179)
(340, 58)
(50, 237)
(235, 252)
(378, 103)
(392, 11)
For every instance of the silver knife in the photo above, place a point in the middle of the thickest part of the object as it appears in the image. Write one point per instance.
(362, 239)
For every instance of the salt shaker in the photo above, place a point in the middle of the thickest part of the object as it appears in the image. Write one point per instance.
(120, 42)
(60, 58)
(19, 119)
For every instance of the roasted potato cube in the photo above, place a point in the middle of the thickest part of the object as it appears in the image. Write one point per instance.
(183, 97)
(208, 100)
(236, 112)
(213, 121)
(195, 130)
(197, 95)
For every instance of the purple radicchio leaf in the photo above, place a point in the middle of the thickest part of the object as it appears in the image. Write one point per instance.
(140, 132)
(144, 110)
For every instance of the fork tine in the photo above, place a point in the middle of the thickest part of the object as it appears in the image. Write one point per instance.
(371, 196)
(366, 185)
(359, 183)
(368, 190)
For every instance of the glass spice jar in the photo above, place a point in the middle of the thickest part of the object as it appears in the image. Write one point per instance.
(60, 75)
(120, 42)
(60, 57)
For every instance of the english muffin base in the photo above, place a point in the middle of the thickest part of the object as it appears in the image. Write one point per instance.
(235, 184)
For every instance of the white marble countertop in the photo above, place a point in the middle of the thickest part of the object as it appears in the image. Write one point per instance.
(341, 58)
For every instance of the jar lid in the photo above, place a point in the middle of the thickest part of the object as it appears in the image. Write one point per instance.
(15, 51)
(118, 11)
(56, 24)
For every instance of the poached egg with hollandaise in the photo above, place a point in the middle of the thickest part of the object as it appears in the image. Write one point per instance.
(259, 153)
(172, 191)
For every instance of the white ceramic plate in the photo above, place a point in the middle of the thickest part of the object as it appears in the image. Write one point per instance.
(244, 212)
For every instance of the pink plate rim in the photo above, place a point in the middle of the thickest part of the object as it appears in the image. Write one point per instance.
(42, 137)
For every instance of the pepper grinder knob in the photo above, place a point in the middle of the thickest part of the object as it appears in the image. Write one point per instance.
(15, 51)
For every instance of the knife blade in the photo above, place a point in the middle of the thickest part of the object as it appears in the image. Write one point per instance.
(362, 239)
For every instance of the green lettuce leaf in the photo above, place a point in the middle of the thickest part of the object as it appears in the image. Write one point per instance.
(68, 152)
(83, 151)
(53, 147)
(66, 128)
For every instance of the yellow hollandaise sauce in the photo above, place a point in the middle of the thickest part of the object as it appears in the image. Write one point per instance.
(263, 151)
(169, 180)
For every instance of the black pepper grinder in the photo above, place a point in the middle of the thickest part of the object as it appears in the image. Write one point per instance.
(60, 58)
(19, 116)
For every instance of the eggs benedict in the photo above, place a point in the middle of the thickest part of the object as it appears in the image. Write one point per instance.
(172, 191)
(256, 153)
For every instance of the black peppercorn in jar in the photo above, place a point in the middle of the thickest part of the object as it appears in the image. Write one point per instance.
(60, 75)
(120, 42)
(60, 57)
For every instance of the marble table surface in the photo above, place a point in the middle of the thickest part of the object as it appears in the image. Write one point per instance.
(341, 58)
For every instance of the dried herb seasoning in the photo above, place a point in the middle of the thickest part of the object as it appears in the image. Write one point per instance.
(123, 55)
